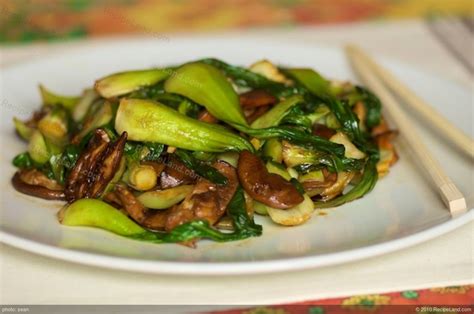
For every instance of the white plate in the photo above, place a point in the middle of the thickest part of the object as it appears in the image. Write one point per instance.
(401, 211)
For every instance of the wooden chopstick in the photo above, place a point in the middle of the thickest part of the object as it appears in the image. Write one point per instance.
(450, 194)
(433, 117)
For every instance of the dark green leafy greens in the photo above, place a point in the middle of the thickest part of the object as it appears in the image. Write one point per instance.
(372, 105)
(146, 151)
(201, 168)
(365, 185)
(244, 227)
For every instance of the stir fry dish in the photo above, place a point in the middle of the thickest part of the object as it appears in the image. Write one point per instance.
(195, 151)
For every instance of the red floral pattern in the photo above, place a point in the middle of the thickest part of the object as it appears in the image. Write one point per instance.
(458, 299)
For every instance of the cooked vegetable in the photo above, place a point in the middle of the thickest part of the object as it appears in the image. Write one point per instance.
(122, 83)
(268, 188)
(142, 177)
(96, 167)
(162, 199)
(201, 168)
(257, 98)
(50, 99)
(312, 80)
(292, 216)
(137, 117)
(37, 185)
(365, 185)
(22, 129)
(102, 117)
(276, 114)
(205, 85)
(268, 70)
(38, 149)
(98, 214)
(273, 149)
(276, 168)
(54, 126)
(351, 149)
(83, 104)
(178, 154)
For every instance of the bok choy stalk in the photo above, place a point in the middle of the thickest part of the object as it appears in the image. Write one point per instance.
(149, 121)
(98, 214)
(50, 99)
(122, 83)
(318, 86)
(219, 98)
(365, 185)
(277, 113)
(207, 86)
(246, 78)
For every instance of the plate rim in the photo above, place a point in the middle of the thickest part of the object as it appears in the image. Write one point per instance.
(235, 268)
(228, 268)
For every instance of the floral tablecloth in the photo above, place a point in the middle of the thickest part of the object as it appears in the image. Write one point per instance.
(456, 299)
(24, 21)
(31, 20)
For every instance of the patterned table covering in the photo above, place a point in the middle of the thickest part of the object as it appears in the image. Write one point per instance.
(32, 20)
(39, 20)
(455, 299)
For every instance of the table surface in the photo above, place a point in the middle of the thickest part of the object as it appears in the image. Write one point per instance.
(447, 260)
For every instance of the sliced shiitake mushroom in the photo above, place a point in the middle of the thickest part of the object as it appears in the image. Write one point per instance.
(252, 114)
(95, 167)
(151, 219)
(323, 131)
(176, 173)
(257, 98)
(268, 188)
(207, 201)
(35, 183)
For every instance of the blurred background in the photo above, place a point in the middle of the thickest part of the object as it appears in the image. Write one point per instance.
(24, 21)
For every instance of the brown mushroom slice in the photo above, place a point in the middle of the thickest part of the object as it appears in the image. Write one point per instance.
(207, 201)
(76, 183)
(36, 177)
(150, 219)
(257, 98)
(253, 114)
(267, 188)
(176, 173)
(323, 131)
(36, 190)
(105, 170)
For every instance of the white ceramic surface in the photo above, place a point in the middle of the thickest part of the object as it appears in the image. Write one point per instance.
(401, 211)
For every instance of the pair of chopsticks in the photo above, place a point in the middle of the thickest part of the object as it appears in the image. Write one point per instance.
(381, 81)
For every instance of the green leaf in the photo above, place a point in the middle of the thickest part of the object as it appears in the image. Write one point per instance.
(50, 99)
(207, 86)
(373, 106)
(365, 185)
(148, 121)
(23, 161)
(125, 82)
(201, 168)
(311, 79)
(276, 113)
(243, 224)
